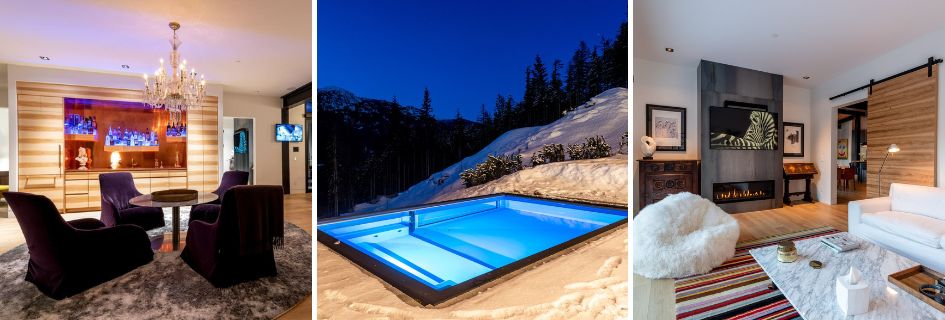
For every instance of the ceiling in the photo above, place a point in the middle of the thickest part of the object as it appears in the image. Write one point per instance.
(815, 38)
(247, 46)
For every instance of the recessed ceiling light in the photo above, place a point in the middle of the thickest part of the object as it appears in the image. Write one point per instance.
(125, 66)
(670, 50)
(806, 77)
(44, 58)
(237, 61)
(774, 35)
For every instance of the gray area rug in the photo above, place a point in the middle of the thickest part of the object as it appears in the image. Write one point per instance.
(166, 288)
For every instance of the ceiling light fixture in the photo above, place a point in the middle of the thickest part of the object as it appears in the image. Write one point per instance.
(44, 58)
(670, 50)
(806, 77)
(175, 91)
(125, 66)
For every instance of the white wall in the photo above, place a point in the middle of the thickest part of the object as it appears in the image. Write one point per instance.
(4, 121)
(17, 73)
(267, 112)
(903, 58)
(297, 159)
(676, 86)
(666, 85)
(228, 131)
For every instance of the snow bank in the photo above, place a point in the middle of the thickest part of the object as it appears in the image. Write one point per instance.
(605, 114)
(596, 180)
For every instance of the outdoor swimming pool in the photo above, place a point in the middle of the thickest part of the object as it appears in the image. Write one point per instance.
(435, 252)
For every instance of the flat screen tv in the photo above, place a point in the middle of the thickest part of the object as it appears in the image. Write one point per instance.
(286, 132)
(742, 129)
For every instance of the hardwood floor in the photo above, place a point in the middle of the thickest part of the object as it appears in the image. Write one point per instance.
(298, 210)
(655, 299)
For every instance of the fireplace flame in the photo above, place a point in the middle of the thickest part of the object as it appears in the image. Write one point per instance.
(738, 194)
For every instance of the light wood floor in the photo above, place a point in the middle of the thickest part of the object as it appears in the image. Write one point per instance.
(654, 299)
(298, 210)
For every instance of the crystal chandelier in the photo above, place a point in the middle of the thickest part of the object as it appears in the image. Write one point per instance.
(175, 91)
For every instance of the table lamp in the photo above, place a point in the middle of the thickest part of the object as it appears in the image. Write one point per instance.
(893, 148)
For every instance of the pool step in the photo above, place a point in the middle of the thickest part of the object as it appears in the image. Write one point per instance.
(462, 248)
(426, 262)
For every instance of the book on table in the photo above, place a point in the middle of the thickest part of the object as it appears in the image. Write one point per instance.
(839, 242)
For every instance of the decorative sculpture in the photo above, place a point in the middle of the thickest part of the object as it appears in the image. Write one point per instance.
(648, 147)
(83, 158)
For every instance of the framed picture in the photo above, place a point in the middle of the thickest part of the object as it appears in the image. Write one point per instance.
(793, 139)
(666, 125)
(742, 129)
(843, 149)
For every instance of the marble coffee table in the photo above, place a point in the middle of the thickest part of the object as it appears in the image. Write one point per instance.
(811, 291)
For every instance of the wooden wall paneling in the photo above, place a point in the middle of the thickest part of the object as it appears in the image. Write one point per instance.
(903, 111)
(203, 147)
(41, 167)
(40, 141)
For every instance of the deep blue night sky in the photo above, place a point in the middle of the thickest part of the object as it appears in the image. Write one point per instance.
(465, 52)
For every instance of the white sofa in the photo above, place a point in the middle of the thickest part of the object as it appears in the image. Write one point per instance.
(910, 222)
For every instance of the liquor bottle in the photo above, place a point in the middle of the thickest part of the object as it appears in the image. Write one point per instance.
(94, 125)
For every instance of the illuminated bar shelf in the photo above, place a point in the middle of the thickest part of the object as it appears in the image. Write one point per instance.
(80, 137)
(176, 139)
(132, 148)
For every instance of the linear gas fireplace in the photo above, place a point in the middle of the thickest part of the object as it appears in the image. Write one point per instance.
(742, 191)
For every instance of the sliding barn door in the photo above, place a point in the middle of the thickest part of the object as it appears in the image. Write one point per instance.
(902, 111)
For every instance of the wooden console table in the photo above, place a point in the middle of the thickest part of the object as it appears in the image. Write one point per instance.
(661, 178)
(798, 171)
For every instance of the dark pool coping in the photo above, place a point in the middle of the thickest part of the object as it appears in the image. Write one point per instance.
(427, 296)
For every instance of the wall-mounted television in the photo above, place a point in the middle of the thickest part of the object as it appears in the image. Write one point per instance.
(742, 129)
(286, 132)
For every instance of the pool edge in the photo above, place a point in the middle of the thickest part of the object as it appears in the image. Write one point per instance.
(428, 297)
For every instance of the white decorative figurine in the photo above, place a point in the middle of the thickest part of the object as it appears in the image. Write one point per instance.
(83, 158)
(853, 293)
(648, 147)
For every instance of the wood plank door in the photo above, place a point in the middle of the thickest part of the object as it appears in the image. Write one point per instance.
(39, 147)
(902, 111)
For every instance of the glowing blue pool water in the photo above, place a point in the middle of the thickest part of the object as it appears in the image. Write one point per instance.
(444, 245)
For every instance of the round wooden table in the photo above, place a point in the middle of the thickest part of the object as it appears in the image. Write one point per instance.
(145, 201)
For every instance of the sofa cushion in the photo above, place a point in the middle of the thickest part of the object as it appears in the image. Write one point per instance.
(927, 201)
(918, 228)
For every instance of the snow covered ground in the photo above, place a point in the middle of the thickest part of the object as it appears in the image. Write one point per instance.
(587, 283)
(605, 114)
(596, 180)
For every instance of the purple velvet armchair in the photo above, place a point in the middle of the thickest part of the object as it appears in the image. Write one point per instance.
(238, 246)
(69, 257)
(208, 211)
(117, 188)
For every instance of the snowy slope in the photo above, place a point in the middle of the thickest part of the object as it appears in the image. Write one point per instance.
(596, 180)
(605, 114)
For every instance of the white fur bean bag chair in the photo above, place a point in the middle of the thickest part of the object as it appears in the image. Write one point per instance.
(682, 235)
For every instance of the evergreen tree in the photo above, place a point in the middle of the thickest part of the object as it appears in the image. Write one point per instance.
(576, 84)
(594, 76)
(620, 58)
(500, 114)
(557, 101)
(487, 129)
(524, 114)
(539, 81)
(426, 131)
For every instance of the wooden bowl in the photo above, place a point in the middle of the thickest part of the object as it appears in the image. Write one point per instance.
(174, 195)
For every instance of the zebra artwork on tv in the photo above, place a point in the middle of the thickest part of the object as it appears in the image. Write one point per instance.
(742, 129)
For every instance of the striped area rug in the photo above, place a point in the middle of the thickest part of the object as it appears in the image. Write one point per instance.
(739, 288)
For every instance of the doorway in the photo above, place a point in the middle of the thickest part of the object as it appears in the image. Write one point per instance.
(239, 150)
(851, 152)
